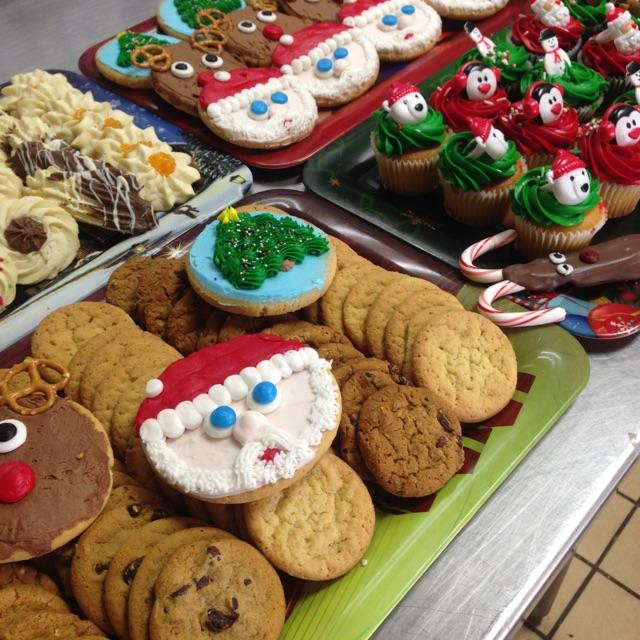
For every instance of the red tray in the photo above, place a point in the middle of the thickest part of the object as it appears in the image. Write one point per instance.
(332, 122)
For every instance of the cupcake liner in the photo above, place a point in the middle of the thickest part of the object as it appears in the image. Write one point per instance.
(587, 111)
(539, 160)
(536, 241)
(412, 174)
(617, 86)
(621, 200)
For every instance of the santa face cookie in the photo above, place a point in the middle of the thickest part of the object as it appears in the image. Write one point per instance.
(55, 465)
(335, 63)
(180, 83)
(257, 108)
(400, 29)
(240, 420)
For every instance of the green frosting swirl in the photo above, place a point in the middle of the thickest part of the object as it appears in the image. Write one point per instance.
(473, 174)
(255, 248)
(511, 59)
(188, 9)
(392, 139)
(533, 202)
(588, 15)
(581, 84)
(130, 40)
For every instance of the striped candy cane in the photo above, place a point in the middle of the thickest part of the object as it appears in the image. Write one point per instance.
(470, 254)
(517, 318)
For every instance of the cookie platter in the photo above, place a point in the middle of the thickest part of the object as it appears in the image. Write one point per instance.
(222, 180)
(333, 122)
(409, 532)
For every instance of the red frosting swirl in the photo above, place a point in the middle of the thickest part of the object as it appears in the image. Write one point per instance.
(609, 161)
(457, 108)
(526, 31)
(532, 136)
(606, 59)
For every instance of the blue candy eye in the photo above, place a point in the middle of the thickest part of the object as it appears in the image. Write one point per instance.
(220, 422)
(389, 21)
(340, 52)
(408, 9)
(324, 65)
(264, 392)
(259, 110)
(279, 97)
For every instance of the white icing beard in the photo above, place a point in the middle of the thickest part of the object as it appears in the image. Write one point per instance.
(424, 27)
(212, 468)
(628, 42)
(363, 66)
(294, 119)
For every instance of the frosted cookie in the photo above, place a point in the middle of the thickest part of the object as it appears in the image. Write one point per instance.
(180, 18)
(324, 11)
(114, 58)
(400, 29)
(467, 9)
(8, 279)
(257, 108)
(39, 237)
(260, 263)
(55, 465)
(245, 428)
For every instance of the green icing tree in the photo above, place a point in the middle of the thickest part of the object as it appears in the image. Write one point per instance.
(129, 40)
(187, 9)
(250, 249)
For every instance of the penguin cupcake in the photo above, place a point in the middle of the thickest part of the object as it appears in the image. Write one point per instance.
(557, 208)
(478, 168)
(612, 152)
(541, 124)
(406, 141)
(632, 95)
(584, 88)
(472, 93)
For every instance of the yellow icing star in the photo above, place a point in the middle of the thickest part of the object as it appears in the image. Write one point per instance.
(228, 215)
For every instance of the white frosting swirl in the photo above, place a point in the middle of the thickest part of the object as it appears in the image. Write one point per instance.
(8, 279)
(10, 184)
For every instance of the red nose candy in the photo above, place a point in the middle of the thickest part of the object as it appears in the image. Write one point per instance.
(556, 109)
(273, 32)
(589, 256)
(634, 134)
(485, 87)
(17, 480)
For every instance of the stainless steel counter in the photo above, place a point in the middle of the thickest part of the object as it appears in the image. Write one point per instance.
(490, 575)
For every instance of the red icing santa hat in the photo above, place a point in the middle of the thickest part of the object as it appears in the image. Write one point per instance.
(399, 90)
(193, 376)
(304, 41)
(218, 85)
(564, 163)
(480, 128)
(616, 15)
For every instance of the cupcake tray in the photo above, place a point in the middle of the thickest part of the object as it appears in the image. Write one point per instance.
(411, 533)
(224, 180)
(332, 123)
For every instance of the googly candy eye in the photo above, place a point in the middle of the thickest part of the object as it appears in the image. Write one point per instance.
(220, 423)
(13, 434)
(212, 61)
(259, 110)
(264, 397)
(388, 22)
(181, 69)
(246, 26)
(266, 16)
(324, 68)
(557, 258)
(564, 269)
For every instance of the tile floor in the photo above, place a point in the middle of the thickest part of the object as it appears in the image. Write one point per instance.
(599, 596)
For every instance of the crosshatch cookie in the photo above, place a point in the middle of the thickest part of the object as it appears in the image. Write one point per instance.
(18, 600)
(318, 528)
(141, 593)
(123, 284)
(63, 332)
(410, 443)
(241, 419)
(210, 587)
(264, 263)
(15, 573)
(95, 549)
(467, 360)
(50, 624)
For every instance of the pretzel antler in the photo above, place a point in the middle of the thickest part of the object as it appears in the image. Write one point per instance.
(263, 5)
(213, 19)
(208, 40)
(151, 56)
(37, 384)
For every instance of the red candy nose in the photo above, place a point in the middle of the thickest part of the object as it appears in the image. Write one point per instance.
(485, 87)
(273, 32)
(556, 109)
(634, 134)
(17, 480)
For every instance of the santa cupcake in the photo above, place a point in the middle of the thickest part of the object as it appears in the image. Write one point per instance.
(473, 92)
(541, 124)
(611, 150)
(406, 141)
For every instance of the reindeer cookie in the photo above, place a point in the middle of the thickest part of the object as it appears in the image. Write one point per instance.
(55, 465)
(179, 17)
(313, 10)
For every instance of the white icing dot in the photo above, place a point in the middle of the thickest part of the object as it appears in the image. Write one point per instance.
(251, 376)
(296, 66)
(294, 360)
(269, 371)
(151, 431)
(236, 386)
(250, 427)
(281, 363)
(154, 388)
(364, 562)
(170, 423)
(204, 405)
(189, 415)
(309, 355)
(219, 394)
(286, 39)
(222, 76)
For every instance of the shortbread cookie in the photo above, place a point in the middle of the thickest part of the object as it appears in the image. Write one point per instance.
(317, 529)
(123, 284)
(186, 321)
(19, 600)
(410, 443)
(14, 573)
(467, 9)
(344, 371)
(50, 624)
(209, 587)
(467, 360)
(96, 548)
(141, 593)
(63, 332)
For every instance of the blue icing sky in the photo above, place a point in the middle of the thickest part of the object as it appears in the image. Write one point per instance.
(305, 277)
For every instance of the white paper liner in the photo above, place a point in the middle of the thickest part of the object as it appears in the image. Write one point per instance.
(621, 200)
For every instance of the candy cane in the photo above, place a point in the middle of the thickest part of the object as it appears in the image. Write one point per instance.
(517, 318)
(468, 256)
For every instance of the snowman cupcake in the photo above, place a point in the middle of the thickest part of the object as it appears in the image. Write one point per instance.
(472, 93)
(478, 168)
(583, 87)
(612, 152)
(541, 124)
(406, 142)
(557, 208)
(632, 95)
